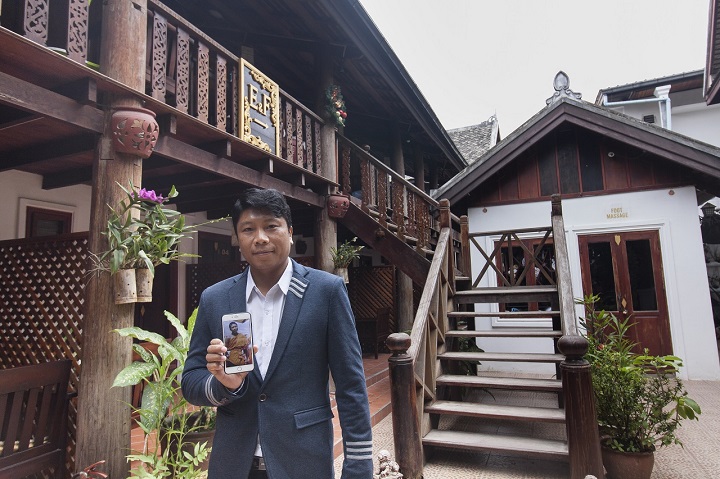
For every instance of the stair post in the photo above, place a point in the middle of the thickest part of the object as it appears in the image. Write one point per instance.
(583, 434)
(403, 397)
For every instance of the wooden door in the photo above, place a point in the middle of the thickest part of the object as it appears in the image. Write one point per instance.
(625, 270)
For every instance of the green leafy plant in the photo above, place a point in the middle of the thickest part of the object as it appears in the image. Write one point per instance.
(164, 415)
(143, 233)
(640, 402)
(344, 254)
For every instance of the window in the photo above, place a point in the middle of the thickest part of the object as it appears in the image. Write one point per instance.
(44, 222)
(528, 266)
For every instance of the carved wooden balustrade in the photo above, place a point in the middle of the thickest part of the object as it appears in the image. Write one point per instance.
(186, 69)
(386, 195)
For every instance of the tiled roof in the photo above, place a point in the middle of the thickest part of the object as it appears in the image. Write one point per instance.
(473, 141)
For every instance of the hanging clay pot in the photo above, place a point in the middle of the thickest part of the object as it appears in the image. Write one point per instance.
(125, 286)
(134, 131)
(338, 205)
(144, 282)
(343, 273)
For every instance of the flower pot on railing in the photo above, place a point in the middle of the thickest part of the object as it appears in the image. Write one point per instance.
(343, 273)
(338, 205)
(125, 286)
(134, 131)
(144, 283)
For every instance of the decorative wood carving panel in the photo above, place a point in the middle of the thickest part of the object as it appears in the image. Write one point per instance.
(299, 141)
(35, 21)
(77, 36)
(289, 120)
(309, 157)
(203, 82)
(221, 89)
(318, 150)
(159, 57)
(182, 83)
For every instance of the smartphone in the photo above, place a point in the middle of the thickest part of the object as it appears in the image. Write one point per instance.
(237, 337)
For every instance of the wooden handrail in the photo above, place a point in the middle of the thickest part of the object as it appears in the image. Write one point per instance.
(562, 271)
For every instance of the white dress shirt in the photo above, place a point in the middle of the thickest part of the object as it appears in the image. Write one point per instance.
(266, 312)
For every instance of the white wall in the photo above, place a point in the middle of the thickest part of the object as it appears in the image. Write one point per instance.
(673, 212)
(19, 190)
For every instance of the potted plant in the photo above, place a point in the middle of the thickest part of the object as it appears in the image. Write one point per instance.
(343, 255)
(639, 400)
(142, 234)
(169, 423)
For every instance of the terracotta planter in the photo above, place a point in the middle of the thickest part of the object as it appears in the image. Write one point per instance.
(343, 273)
(627, 465)
(338, 205)
(144, 283)
(134, 131)
(125, 286)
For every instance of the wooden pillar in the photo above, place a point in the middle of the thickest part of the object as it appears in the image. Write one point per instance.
(419, 168)
(103, 429)
(404, 304)
(403, 397)
(581, 423)
(326, 227)
(434, 175)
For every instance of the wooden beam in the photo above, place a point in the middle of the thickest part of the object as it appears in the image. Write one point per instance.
(200, 159)
(180, 181)
(45, 151)
(83, 91)
(32, 98)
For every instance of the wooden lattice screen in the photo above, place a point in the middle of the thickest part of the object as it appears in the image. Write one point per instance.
(372, 288)
(41, 306)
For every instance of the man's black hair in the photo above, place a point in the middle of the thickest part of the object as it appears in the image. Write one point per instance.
(269, 200)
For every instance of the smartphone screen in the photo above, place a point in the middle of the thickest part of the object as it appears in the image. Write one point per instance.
(237, 337)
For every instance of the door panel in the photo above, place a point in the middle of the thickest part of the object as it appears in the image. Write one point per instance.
(625, 270)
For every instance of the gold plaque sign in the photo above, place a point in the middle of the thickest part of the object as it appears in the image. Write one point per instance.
(260, 115)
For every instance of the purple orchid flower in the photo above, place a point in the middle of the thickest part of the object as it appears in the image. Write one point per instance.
(149, 195)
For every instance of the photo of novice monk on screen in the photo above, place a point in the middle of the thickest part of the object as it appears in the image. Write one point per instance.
(237, 342)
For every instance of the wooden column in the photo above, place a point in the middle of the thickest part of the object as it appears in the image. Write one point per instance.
(104, 423)
(406, 423)
(326, 227)
(419, 168)
(405, 313)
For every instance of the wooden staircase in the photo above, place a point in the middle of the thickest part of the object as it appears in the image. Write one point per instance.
(465, 406)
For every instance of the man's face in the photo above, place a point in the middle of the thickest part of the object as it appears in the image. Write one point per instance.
(264, 242)
(233, 328)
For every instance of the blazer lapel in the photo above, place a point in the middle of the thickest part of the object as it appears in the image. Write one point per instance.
(293, 302)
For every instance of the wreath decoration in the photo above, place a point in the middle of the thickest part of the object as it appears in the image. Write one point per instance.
(336, 105)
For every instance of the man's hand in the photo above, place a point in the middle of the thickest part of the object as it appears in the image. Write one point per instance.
(216, 358)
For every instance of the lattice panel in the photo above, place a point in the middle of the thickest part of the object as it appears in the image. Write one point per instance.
(41, 306)
(200, 276)
(372, 288)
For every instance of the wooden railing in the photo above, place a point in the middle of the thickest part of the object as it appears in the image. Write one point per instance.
(185, 68)
(413, 365)
(386, 195)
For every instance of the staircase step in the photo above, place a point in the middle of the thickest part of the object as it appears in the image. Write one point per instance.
(519, 333)
(541, 448)
(503, 314)
(524, 384)
(505, 294)
(509, 357)
(493, 411)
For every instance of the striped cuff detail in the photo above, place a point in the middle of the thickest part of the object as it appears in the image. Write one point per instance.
(358, 450)
(209, 394)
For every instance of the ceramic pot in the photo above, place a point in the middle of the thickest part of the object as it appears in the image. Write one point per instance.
(627, 465)
(134, 131)
(338, 205)
(343, 273)
(144, 283)
(125, 286)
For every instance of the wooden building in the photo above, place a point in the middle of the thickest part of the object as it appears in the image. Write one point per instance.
(630, 194)
(68, 66)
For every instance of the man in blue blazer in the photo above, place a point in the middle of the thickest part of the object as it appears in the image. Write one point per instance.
(276, 421)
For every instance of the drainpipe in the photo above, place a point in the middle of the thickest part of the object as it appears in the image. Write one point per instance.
(662, 96)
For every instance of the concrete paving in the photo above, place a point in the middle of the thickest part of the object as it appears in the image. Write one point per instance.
(699, 458)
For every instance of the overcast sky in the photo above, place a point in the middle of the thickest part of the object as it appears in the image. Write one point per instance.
(475, 58)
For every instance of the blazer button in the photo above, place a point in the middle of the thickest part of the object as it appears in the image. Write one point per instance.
(262, 397)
